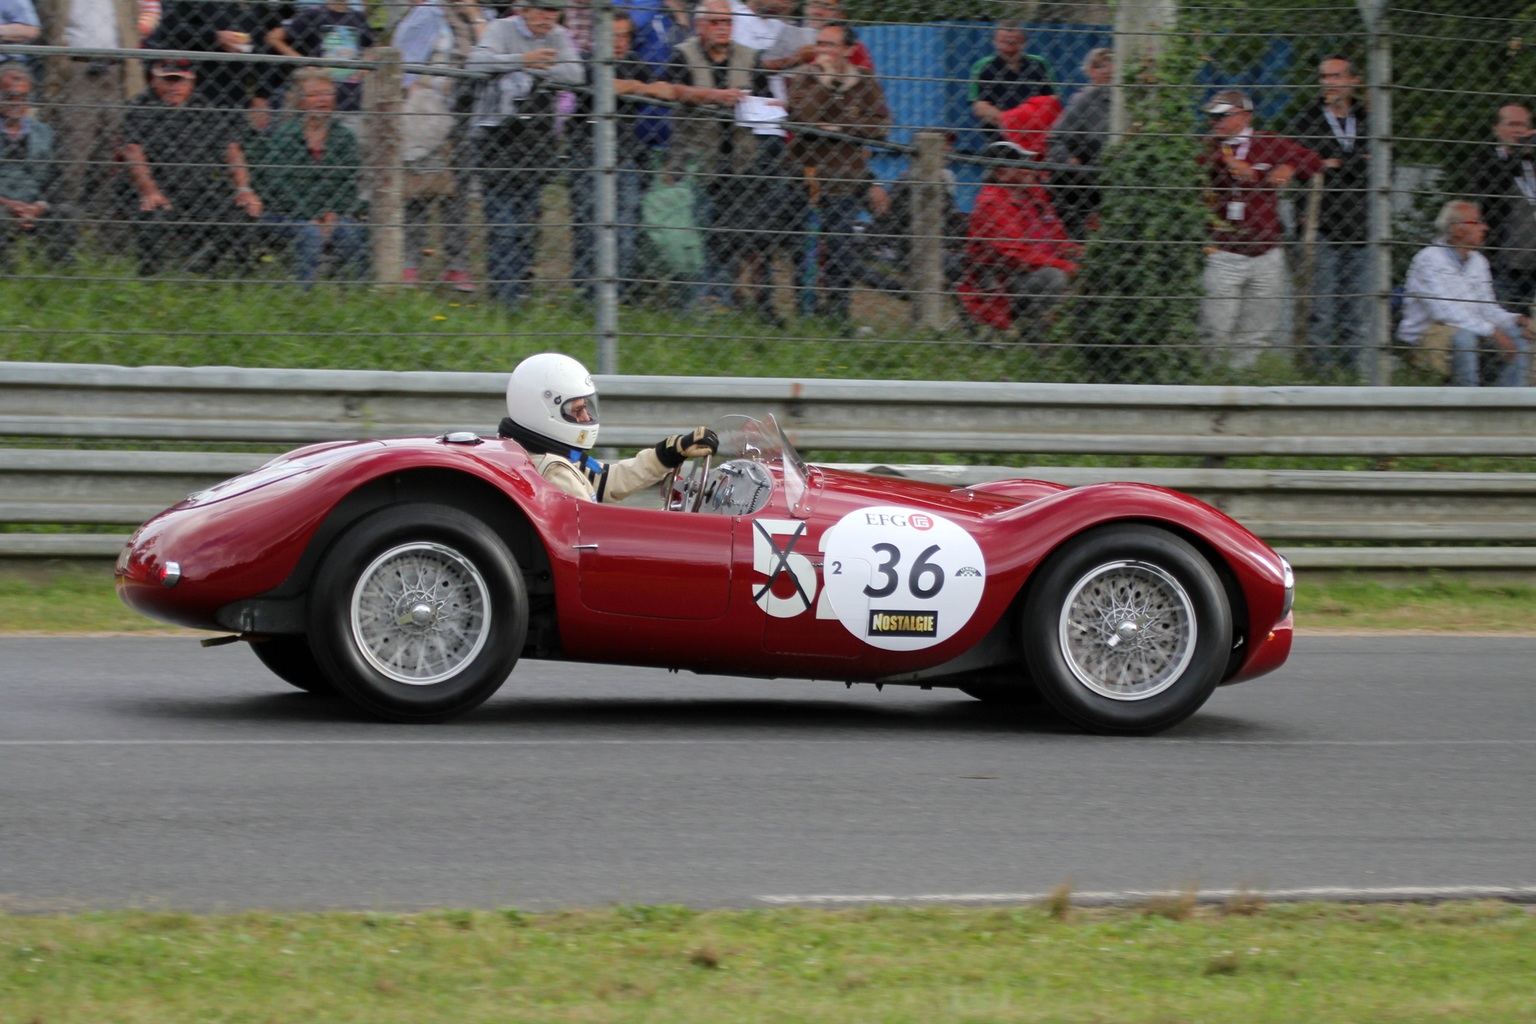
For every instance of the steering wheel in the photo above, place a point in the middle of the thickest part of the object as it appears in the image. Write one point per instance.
(682, 489)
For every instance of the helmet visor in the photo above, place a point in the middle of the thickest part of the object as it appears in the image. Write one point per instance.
(581, 409)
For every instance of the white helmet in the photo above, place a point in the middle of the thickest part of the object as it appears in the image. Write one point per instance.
(542, 396)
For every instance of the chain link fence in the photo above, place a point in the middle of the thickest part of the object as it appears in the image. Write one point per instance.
(1237, 192)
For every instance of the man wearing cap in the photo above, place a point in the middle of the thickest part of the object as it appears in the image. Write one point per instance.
(1021, 258)
(188, 173)
(531, 58)
(1245, 271)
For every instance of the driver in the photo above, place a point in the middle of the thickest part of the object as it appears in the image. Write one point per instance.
(552, 412)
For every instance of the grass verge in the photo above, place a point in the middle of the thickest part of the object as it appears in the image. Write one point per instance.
(1287, 963)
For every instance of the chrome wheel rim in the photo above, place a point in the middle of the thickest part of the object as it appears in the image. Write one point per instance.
(420, 613)
(1128, 630)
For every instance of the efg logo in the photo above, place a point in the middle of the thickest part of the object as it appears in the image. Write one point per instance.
(903, 623)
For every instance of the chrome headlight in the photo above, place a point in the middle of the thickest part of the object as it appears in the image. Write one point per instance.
(1289, 577)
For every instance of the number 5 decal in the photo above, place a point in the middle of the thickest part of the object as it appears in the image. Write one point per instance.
(774, 561)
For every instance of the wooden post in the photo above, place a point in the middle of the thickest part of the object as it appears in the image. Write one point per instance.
(384, 169)
(930, 306)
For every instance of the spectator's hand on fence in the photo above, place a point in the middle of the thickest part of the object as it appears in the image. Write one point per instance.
(232, 42)
(327, 222)
(1281, 176)
(879, 200)
(1242, 170)
(541, 59)
(726, 97)
(153, 200)
(248, 201)
(1525, 326)
(1507, 349)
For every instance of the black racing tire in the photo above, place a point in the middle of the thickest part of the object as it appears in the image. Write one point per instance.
(291, 659)
(418, 613)
(1127, 629)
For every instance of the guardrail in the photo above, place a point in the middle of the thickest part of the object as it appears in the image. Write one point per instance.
(77, 438)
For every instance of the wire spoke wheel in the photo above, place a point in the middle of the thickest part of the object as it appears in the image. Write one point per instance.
(1128, 630)
(420, 612)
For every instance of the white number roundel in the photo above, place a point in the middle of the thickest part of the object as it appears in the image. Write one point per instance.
(900, 579)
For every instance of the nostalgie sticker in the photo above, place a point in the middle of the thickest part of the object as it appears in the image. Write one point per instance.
(900, 579)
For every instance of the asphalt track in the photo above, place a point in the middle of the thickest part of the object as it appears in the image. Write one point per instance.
(149, 772)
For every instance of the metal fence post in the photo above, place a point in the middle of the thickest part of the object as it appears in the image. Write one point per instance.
(928, 232)
(382, 100)
(1378, 368)
(605, 201)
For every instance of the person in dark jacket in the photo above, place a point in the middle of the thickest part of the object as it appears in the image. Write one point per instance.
(1336, 128)
(1502, 180)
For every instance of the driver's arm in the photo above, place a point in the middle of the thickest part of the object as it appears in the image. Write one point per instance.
(620, 479)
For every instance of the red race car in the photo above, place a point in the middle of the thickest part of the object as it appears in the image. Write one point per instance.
(410, 575)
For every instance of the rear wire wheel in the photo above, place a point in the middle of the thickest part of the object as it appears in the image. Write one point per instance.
(1127, 629)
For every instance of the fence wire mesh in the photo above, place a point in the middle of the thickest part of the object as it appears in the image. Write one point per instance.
(1144, 192)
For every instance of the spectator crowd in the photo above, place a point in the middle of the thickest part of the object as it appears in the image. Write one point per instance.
(743, 153)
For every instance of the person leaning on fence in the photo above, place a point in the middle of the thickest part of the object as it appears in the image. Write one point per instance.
(1245, 269)
(1450, 314)
(1077, 138)
(1007, 78)
(552, 412)
(832, 94)
(29, 206)
(191, 186)
(1337, 128)
(1502, 179)
(435, 133)
(1021, 261)
(308, 172)
(530, 58)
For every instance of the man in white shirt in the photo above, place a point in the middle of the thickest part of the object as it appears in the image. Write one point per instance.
(1451, 313)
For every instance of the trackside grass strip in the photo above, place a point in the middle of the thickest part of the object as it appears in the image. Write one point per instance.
(77, 597)
(1244, 963)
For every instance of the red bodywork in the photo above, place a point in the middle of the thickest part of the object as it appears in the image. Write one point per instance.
(642, 586)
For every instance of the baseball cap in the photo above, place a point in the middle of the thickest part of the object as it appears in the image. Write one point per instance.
(175, 68)
(1010, 151)
(1227, 101)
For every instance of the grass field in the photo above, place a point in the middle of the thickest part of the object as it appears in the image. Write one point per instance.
(1159, 964)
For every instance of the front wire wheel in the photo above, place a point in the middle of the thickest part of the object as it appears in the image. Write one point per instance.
(418, 613)
(1127, 629)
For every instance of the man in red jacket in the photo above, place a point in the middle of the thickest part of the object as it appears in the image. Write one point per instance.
(1021, 258)
(1245, 271)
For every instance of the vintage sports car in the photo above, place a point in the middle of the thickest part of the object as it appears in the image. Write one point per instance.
(410, 575)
